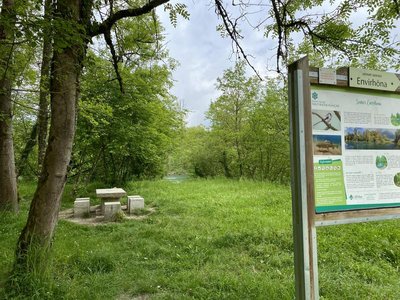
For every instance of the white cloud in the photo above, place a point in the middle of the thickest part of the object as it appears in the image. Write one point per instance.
(204, 55)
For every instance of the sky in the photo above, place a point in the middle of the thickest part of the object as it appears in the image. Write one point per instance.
(203, 56)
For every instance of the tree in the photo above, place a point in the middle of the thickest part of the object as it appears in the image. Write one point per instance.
(125, 136)
(249, 124)
(73, 28)
(38, 133)
(8, 181)
(325, 33)
(248, 136)
(43, 114)
(268, 135)
(230, 113)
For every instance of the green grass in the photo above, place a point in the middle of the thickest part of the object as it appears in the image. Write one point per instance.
(207, 239)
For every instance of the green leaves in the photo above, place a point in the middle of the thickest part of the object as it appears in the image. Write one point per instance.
(67, 34)
(175, 11)
(121, 136)
(350, 31)
(248, 135)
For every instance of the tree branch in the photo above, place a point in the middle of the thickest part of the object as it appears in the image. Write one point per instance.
(230, 28)
(102, 28)
(279, 25)
(25, 106)
(107, 37)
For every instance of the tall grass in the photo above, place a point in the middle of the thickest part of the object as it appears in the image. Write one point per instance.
(208, 239)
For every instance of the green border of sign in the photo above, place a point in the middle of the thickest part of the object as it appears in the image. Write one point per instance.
(334, 208)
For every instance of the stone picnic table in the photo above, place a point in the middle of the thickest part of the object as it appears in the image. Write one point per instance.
(109, 195)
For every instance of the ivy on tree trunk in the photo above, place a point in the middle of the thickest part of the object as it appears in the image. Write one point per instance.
(8, 180)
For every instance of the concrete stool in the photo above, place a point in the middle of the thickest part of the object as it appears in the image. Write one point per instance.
(81, 207)
(135, 202)
(110, 209)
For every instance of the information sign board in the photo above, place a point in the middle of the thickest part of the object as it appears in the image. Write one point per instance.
(345, 155)
(356, 148)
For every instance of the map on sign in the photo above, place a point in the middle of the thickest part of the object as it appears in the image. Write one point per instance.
(356, 148)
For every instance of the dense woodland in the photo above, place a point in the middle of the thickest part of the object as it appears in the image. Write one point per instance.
(85, 96)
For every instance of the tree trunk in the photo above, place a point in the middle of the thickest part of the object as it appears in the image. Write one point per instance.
(225, 165)
(65, 71)
(239, 155)
(69, 50)
(8, 179)
(23, 160)
(43, 114)
(39, 129)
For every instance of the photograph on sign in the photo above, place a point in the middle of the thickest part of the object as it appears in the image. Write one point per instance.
(356, 149)
(326, 120)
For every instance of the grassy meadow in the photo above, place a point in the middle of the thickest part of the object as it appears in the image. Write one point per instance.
(207, 239)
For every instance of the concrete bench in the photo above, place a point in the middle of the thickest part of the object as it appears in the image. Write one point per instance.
(81, 207)
(110, 209)
(109, 195)
(135, 202)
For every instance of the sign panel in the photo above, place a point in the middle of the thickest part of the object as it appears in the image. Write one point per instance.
(345, 156)
(371, 79)
(356, 149)
(327, 76)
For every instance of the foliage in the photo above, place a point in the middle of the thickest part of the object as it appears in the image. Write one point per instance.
(118, 216)
(127, 133)
(196, 154)
(24, 118)
(355, 32)
(121, 136)
(230, 115)
(74, 26)
(137, 128)
(175, 10)
(248, 137)
(207, 239)
(268, 136)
